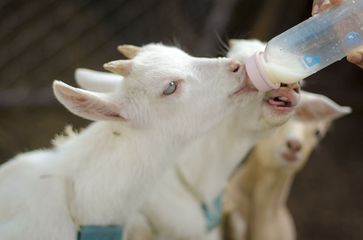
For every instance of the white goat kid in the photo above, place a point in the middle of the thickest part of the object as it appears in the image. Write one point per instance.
(101, 176)
(185, 205)
(255, 200)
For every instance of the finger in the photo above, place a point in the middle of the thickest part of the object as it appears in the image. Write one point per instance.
(316, 6)
(318, 2)
(356, 58)
(315, 10)
(321, 5)
(336, 2)
(329, 3)
(325, 5)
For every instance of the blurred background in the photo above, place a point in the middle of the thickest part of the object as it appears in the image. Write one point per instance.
(44, 40)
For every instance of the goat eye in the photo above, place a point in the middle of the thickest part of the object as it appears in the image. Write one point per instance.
(317, 133)
(171, 88)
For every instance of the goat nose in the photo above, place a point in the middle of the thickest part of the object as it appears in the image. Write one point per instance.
(234, 66)
(294, 145)
(293, 86)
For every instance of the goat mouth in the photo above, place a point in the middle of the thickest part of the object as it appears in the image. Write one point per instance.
(289, 156)
(245, 87)
(282, 100)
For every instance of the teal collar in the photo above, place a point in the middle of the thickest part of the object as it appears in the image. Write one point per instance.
(100, 233)
(213, 212)
(90, 232)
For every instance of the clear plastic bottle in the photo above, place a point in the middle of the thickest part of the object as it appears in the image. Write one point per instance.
(308, 47)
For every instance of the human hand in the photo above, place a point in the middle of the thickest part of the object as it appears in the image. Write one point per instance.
(323, 5)
(356, 57)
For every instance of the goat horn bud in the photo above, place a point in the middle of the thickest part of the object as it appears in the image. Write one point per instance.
(121, 67)
(129, 51)
(232, 42)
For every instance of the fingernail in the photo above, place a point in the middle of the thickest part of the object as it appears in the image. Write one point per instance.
(355, 58)
(315, 9)
(325, 5)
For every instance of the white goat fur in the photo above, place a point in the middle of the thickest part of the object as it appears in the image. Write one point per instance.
(102, 175)
(172, 212)
(255, 200)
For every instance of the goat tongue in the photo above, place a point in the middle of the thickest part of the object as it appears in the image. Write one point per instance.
(279, 101)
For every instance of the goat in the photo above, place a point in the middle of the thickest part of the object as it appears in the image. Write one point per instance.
(102, 175)
(255, 200)
(181, 205)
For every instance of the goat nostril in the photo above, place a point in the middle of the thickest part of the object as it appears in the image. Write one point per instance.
(295, 86)
(234, 66)
(294, 145)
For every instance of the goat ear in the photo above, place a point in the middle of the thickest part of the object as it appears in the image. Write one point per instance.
(97, 81)
(315, 107)
(87, 104)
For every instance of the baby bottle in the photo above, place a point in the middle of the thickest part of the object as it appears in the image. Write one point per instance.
(308, 47)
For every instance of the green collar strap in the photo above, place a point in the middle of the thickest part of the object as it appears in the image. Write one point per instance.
(213, 212)
(91, 232)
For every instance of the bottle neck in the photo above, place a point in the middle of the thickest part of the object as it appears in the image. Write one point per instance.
(257, 74)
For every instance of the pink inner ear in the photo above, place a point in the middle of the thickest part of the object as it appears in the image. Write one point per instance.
(114, 115)
(326, 111)
(79, 98)
(87, 104)
(304, 114)
(72, 95)
(315, 110)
